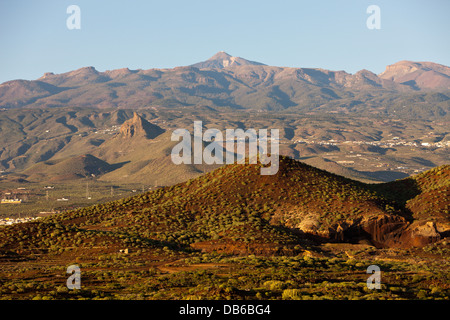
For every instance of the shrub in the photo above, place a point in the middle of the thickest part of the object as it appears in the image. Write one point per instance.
(274, 285)
(291, 294)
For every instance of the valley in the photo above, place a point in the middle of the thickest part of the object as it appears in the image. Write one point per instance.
(73, 148)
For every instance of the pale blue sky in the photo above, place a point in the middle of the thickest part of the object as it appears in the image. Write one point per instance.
(163, 34)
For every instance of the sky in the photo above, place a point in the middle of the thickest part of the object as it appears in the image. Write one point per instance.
(34, 37)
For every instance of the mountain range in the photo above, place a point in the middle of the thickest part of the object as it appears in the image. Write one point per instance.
(116, 125)
(406, 88)
(79, 147)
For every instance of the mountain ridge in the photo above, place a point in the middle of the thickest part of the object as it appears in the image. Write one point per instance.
(418, 74)
(241, 84)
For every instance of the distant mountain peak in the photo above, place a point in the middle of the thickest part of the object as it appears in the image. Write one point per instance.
(220, 55)
(47, 74)
(85, 70)
(418, 75)
(223, 60)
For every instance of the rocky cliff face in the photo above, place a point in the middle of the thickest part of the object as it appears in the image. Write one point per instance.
(386, 231)
(422, 233)
(139, 127)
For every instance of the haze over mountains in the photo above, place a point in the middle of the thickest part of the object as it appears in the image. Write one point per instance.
(406, 88)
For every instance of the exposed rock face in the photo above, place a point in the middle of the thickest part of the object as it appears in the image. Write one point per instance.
(385, 231)
(47, 74)
(138, 126)
(422, 233)
(309, 225)
(443, 228)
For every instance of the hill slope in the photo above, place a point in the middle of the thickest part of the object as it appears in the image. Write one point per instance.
(68, 169)
(234, 209)
(426, 195)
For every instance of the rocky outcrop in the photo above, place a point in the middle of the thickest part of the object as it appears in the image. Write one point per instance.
(386, 231)
(421, 233)
(139, 127)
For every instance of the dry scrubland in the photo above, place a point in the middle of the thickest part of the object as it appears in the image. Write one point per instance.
(233, 234)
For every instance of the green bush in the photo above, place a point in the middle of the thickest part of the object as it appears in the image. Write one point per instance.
(291, 294)
(274, 285)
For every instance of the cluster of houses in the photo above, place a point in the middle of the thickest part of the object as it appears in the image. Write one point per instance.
(10, 221)
(111, 130)
(395, 141)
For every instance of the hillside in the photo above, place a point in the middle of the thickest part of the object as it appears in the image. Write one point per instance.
(231, 230)
(84, 166)
(235, 209)
(425, 195)
(137, 145)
